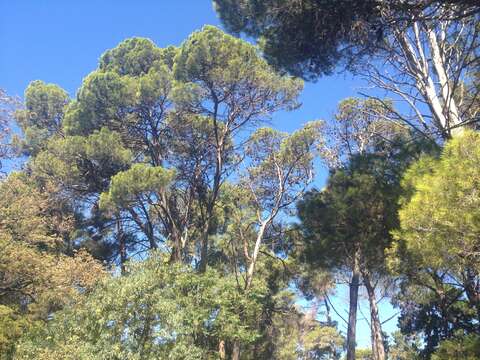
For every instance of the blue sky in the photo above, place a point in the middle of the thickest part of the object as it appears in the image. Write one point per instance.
(61, 41)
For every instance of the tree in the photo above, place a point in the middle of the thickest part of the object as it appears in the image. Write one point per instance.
(158, 156)
(436, 247)
(421, 44)
(36, 277)
(173, 115)
(279, 172)
(461, 347)
(299, 335)
(226, 81)
(158, 310)
(310, 38)
(404, 347)
(43, 114)
(346, 226)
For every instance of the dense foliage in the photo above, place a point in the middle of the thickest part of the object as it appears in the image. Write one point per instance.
(157, 216)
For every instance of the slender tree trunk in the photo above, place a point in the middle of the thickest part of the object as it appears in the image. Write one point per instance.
(219, 141)
(376, 326)
(256, 250)
(121, 245)
(352, 313)
(236, 350)
(329, 322)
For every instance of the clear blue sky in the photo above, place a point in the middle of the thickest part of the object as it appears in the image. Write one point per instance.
(61, 41)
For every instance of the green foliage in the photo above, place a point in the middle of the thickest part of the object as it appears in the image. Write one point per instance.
(340, 219)
(36, 277)
(43, 115)
(12, 326)
(157, 311)
(364, 354)
(300, 336)
(103, 98)
(403, 348)
(436, 245)
(83, 164)
(8, 106)
(128, 186)
(280, 165)
(229, 72)
(465, 347)
(308, 39)
(440, 221)
(312, 37)
(132, 57)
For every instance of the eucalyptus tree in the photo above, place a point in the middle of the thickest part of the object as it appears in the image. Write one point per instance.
(279, 172)
(421, 52)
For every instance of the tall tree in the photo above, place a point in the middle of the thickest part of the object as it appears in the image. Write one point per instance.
(428, 49)
(347, 225)
(436, 247)
(174, 110)
(227, 81)
(43, 115)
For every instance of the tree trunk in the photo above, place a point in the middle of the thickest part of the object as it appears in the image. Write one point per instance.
(204, 247)
(352, 313)
(256, 250)
(376, 326)
(121, 245)
(236, 350)
(333, 350)
(221, 349)
(176, 255)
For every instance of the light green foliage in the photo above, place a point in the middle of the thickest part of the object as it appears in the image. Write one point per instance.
(403, 348)
(435, 251)
(128, 186)
(157, 311)
(83, 164)
(12, 326)
(42, 116)
(364, 354)
(440, 221)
